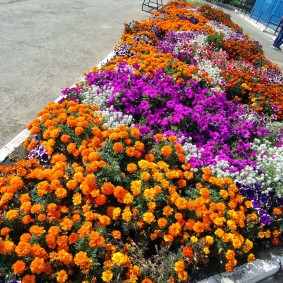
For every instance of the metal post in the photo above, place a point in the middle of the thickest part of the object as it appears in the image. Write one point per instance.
(152, 5)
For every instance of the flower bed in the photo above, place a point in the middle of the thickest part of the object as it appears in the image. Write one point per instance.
(167, 158)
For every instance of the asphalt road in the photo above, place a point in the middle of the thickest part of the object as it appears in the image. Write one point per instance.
(46, 45)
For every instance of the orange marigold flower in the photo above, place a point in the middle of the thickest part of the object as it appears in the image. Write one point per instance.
(166, 150)
(82, 260)
(37, 230)
(65, 257)
(79, 130)
(188, 252)
(135, 132)
(19, 267)
(37, 266)
(277, 211)
(73, 238)
(72, 184)
(116, 234)
(36, 208)
(23, 248)
(158, 137)
(107, 188)
(61, 276)
(67, 224)
(146, 280)
(149, 157)
(100, 200)
(148, 217)
(25, 237)
(61, 193)
(162, 222)
(230, 255)
(28, 279)
(118, 147)
(65, 138)
(107, 275)
(5, 231)
(132, 167)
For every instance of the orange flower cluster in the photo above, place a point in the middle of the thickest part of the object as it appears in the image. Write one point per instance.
(219, 16)
(80, 217)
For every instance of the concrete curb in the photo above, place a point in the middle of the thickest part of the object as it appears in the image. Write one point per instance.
(6, 150)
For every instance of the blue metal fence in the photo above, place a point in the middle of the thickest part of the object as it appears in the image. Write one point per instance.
(268, 12)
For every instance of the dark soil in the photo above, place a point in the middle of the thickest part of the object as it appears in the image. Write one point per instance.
(17, 154)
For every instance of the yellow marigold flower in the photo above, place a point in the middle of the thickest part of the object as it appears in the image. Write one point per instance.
(136, 187)
(236, 243)
(247, 246)
(149, 193)
(12, 214)
(127, 214)
(232, 225)
(107, 276)
(179, 266)
(206, 250)
(261, 235)
(8, 247)
(143, 164)
(128, 198)
(116, 213)
(219, 221)
(77, 199)
(183, 276)
(251, 257)
(267, 234)
(209, 240)
(19, 267)
(61, 276)
(151, 206)
(119, 258)
(148, 217)
(194, 239)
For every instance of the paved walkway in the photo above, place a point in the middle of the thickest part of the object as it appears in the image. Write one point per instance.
(46, 45)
